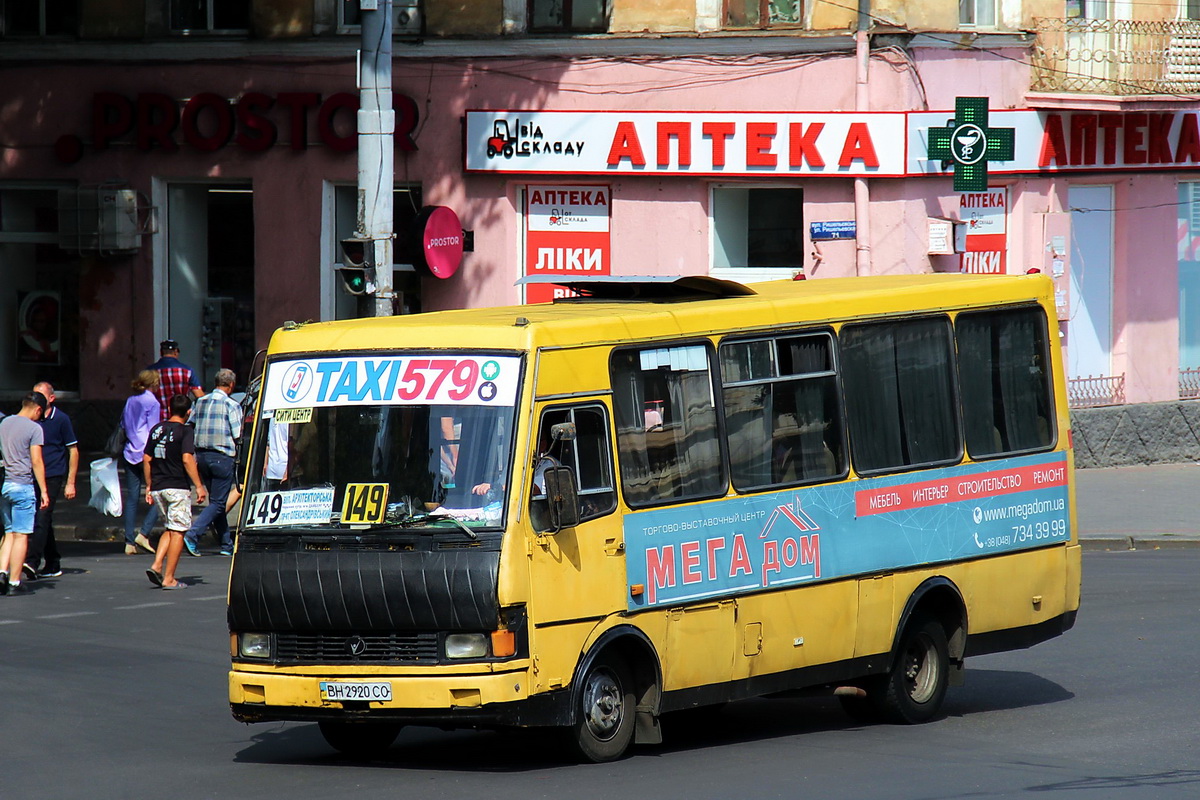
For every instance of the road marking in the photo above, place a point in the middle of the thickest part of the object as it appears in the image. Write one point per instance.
(142, 605)
(211, 597)
(72, 614)
(11, 621)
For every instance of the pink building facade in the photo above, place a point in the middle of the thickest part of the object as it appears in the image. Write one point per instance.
(205, 199)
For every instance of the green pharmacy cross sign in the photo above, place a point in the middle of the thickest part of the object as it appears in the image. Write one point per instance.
(970, 144)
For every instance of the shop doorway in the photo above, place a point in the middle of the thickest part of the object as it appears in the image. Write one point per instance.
(209, 303)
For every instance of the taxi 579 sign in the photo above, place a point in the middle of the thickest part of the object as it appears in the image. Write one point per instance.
(409, 379)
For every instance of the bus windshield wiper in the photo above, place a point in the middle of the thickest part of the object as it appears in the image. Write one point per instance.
(461, 525)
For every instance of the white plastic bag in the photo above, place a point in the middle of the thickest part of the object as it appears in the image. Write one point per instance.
(106, 487)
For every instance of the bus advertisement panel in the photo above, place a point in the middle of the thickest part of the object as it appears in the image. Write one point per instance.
(734, 546)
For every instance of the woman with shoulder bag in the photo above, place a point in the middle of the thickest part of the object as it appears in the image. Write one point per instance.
(140, 415)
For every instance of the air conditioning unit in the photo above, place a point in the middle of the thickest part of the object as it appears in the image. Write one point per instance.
(102, 219)
(406, 18)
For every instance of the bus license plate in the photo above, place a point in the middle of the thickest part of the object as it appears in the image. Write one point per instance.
(374, 691)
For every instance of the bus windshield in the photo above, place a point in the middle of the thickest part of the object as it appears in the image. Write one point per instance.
(383, 442)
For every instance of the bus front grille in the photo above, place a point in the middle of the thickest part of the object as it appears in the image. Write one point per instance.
(343, 648)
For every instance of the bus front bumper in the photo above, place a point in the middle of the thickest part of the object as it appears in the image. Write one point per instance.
(479, 700)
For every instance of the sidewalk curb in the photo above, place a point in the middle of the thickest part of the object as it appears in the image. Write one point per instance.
(1110, 543)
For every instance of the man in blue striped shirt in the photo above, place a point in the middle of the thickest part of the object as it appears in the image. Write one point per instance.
(218, 421)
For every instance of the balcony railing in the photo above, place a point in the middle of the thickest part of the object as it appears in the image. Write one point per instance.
(1096, 390)
(1116, 57)
(1189, 383)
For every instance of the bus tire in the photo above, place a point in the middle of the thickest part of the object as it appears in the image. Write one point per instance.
(360, 739)
(913, 691)
(604, 714)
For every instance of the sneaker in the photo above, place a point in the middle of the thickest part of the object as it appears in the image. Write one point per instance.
(191, 548)
(51, 573)
(141, 541)
(3, 583)
(28, 573)
(226, 551)
(18, 588)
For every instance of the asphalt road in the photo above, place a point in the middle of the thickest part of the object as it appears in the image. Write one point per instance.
(114, 689)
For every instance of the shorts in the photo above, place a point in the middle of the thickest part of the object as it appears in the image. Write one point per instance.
(175, 505)
(18, 507)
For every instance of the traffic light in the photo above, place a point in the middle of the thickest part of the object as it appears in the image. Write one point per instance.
(358, 276)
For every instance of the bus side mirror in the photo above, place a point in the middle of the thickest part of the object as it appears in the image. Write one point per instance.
(562, 498)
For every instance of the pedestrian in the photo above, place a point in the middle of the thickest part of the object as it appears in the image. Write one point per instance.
(60, 459)
(217, 418)
(24, 475)
(170, 470)
(138, 417)
(174, 377)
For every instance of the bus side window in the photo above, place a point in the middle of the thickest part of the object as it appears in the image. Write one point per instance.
(898, 378)
(674, 453)
(782, 411)
(1004, 372)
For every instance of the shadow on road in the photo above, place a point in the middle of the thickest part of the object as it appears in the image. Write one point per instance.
(523, 750)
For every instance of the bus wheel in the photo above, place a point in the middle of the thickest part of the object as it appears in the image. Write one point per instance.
(360, 739)
(916, 686)
(605, 714)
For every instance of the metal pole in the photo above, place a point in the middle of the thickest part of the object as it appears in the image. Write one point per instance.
(376, 125)
(862, 102)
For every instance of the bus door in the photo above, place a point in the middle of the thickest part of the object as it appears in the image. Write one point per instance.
(577, 573)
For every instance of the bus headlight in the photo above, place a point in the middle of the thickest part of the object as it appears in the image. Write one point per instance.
(254, 645)
(466, 645)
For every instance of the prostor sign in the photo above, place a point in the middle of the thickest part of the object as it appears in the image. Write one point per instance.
(208, 122)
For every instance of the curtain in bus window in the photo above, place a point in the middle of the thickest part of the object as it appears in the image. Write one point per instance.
(1003, 369)
(899, 394)
(814, 406)
(680, 456)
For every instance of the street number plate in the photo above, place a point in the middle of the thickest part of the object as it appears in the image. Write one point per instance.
(372, 691)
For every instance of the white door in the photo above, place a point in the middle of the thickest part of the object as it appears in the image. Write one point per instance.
(1089, 343)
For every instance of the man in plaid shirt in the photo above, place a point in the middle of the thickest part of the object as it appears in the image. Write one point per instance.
(218, 421)
(174, 377)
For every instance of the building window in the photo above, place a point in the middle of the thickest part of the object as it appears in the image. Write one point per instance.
(210, 16)
(1088, 9)
(757, 233)
(977, 13)
(40, 17)
(763, 13)
(407, 18)
(568, 16)
(39, 293)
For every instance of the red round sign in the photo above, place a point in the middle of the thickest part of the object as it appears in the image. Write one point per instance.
(441, 237)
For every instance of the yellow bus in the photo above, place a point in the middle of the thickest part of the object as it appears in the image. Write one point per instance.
(652, 496)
